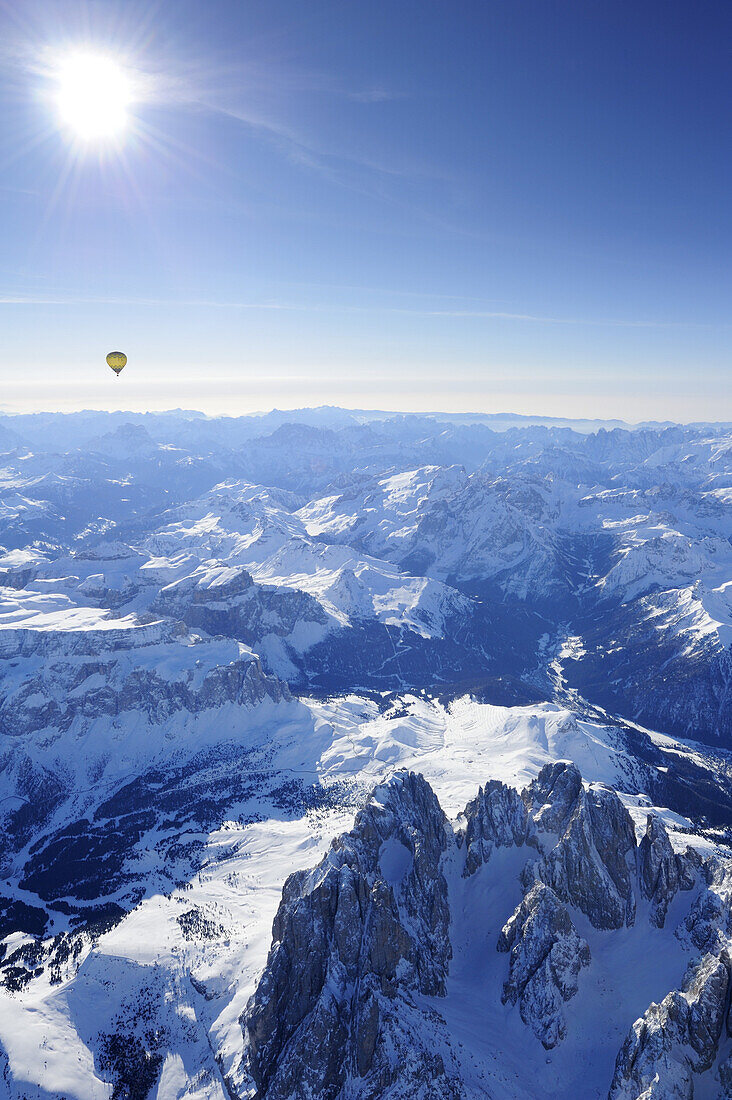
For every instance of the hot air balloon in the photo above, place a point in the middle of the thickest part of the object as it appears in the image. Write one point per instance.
(116, 360)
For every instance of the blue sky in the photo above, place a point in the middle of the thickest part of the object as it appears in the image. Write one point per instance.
(492, 205)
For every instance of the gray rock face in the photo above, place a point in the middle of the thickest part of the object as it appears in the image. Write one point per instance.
(497, 818)
(237, 607)
(708, 924)
(688, 865)
(590, 864)
(659, 869)
(552, 796)
(674, 1039)
(152, 669)
(546, 956)
(360, 941)
(353, 940)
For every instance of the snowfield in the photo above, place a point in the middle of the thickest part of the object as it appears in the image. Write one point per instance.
(219, 639)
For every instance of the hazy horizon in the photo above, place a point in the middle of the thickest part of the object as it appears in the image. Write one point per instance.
(498, 415)
(222, 399)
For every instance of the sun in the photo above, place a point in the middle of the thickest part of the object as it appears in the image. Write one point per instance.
(93, 96)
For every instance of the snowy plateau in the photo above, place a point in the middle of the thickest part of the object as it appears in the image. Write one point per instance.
(359, 755)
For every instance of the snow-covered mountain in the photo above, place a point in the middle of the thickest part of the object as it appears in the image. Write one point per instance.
(405, 989)
(469, 680)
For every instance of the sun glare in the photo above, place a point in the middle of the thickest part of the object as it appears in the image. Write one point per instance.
(93, 96)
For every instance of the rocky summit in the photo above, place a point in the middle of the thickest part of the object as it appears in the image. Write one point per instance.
(356, 1001)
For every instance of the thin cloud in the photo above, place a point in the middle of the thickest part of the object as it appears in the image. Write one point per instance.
(70, 300)
(243, 92)
(307, 307)
(313, 155)
(539, 319)
(377, 94)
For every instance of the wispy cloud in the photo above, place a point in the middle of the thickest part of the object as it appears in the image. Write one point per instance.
(337, 308)
(377, 94)
(260, 93)
(539, 319)
(81, 300)
(314, 154)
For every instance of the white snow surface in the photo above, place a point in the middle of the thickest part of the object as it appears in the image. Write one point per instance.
(50, 1032)
(240, 526)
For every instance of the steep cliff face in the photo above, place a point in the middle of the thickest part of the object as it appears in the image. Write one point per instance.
(354, 942)
(546, 956)
(676, 1039)
(591, 864)
(226, 601)
(349, 1002)
(708, 924)
(64, 661)
(661, 872)
(497, 818)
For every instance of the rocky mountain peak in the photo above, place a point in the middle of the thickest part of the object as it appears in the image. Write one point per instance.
(546, 956)
(496, 818)
(352, 942)
(552, 796)
(661, 873)
(675, 1039)
(364, 941)
(589, 860)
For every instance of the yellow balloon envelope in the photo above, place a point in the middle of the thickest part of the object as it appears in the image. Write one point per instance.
(116, 360)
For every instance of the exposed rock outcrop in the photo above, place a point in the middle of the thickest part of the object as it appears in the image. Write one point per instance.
(674, 1039)
(661, 872)
(362, 940)
(226, 600)
(353, 941)
(546, 956)
(552, 797)
(590, 864)
(497, 818)
(155, 669)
